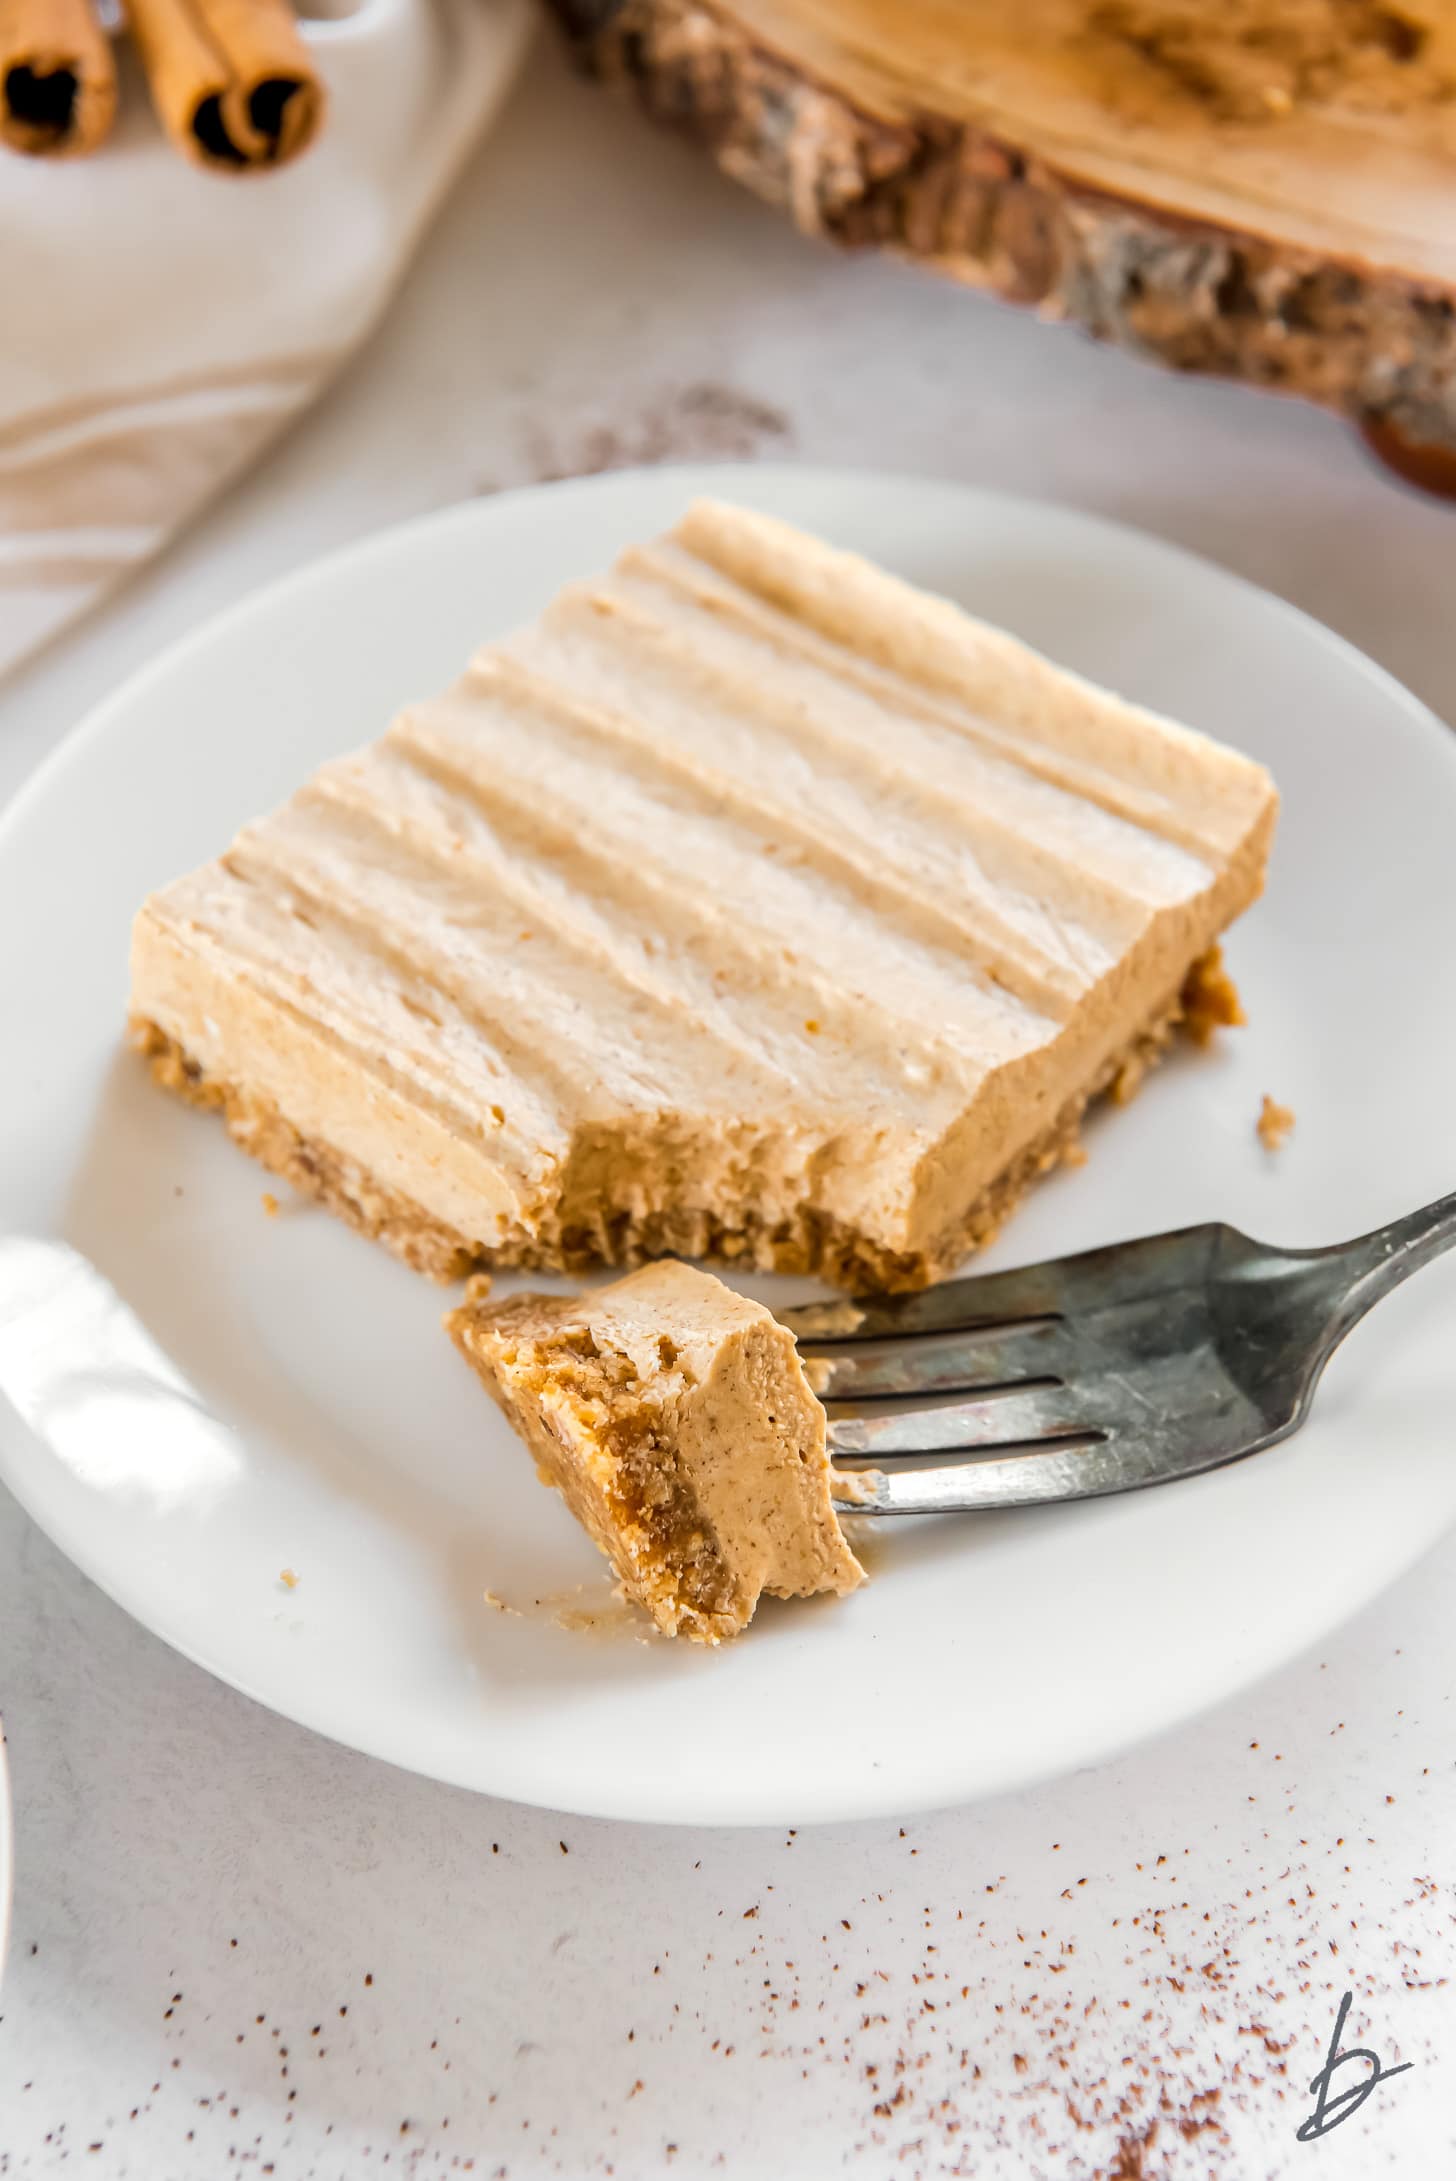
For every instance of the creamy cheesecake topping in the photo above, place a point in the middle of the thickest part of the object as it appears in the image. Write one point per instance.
(748, 887)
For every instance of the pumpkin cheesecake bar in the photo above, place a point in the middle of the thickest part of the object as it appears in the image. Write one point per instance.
(675, 1419)
(750, 904)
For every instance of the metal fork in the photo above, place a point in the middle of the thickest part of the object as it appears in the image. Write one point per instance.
(1099, 1373)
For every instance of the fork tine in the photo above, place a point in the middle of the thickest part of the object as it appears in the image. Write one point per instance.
(939, 1363)
(1040, 1477)
(1058, 1288)
(991, 1298)
(1019, 1416)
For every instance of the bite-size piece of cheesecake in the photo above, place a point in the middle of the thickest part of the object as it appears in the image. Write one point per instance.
(674, 1417)
(751, 904)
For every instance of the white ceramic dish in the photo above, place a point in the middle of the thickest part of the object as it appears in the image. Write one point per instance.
(365, 1458)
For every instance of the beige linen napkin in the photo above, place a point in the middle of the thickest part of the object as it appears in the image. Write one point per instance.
(161, 323)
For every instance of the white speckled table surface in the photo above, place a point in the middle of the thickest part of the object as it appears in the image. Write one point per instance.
(236, 1946)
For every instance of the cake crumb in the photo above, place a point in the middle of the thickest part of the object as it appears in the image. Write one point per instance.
(270, 1204)
(828, 1321)
(854, 1487)
(494, 1599)
(1210, 999)
(288, 1578)
(607, 1619)
(1274, 1124)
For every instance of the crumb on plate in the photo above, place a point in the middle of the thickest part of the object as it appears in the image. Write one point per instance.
(270, 1204)
(1274, 1124)
(288, 1579)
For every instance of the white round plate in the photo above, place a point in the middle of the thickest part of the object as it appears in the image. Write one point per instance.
(355, 1449)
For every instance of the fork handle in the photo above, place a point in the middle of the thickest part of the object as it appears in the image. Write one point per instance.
(1375, 1263)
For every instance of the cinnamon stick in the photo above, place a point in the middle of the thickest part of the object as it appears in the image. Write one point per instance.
(57, 77)
(233, 83)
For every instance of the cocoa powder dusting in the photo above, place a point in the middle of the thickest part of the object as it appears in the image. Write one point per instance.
(700, 422)
(1180, 2039)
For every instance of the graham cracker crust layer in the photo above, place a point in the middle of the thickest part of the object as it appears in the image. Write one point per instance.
(810, 1244)
(646, 1517)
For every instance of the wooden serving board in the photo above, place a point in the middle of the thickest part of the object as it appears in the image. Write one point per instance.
(1260, 188)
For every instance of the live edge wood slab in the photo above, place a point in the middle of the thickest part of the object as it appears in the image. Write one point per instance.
(1265, 189)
